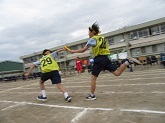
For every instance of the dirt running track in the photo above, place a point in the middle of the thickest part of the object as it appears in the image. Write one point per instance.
(137, 97)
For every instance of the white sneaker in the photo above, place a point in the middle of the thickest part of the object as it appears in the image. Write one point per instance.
(132, 60)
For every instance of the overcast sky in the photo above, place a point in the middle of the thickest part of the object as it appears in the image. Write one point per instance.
(28, 26)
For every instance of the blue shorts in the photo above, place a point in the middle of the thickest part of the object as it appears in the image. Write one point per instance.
(102, 62)
(54, 76)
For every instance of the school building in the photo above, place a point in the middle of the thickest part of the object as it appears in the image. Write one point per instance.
(139, 41)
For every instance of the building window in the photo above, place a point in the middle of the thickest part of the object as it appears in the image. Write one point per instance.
(115, 39)
(33, 58)
(118, 39)
(148, 49)
(30, 59)
(155, 30)
(160, 47)
(143, 50)
(133, 35)
(83, 45)
(73, 48)
(61, 55)
(25, 60)
(154, 49)
(110, 40)
(162, 27)
(136, 51)
(143, 33)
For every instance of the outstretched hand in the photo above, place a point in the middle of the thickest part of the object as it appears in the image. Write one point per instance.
(71, 51)
(27, 74)
(68, 49)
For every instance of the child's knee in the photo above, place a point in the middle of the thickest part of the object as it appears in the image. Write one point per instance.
(117, 73)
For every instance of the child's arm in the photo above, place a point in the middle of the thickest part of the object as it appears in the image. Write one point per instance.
(59, 50)
(80, 50)
(30, 69)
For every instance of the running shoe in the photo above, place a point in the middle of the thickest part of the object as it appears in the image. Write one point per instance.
(68, 99)
(132, 60)
(41, 98)
(91, 97)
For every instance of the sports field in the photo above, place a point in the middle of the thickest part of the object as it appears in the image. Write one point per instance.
(136, 97)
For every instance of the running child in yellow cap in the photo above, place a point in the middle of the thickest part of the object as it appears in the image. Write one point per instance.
(102, 61)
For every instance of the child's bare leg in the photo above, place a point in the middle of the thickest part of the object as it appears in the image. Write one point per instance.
(93, 84)
(42, 86)
(120, 70)
(67, 97)
(61, 87)
(43, 92)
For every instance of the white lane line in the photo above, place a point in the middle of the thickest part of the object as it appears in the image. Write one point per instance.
(142, 111)
(158, 92)
(140, 72)
(17, 88)
(76, 119)
(117, 79)
(82, 108)
(119, 85)
(55, 106)
(129, 92)
(149, 71)
(148, 78)
(148, 74)
(107, 92)
(38, 104)
(133, 75)
(13, 106)
(103, 85)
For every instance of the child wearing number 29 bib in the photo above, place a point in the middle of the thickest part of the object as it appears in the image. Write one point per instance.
(50, 70)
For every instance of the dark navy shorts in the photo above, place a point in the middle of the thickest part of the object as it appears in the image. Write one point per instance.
(102, 62)
(54, 76)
